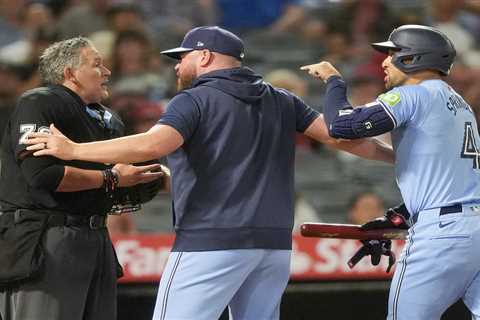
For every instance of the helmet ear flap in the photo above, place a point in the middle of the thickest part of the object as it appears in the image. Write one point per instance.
(406, 60)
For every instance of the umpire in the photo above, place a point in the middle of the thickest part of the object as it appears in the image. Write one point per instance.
(57, 261)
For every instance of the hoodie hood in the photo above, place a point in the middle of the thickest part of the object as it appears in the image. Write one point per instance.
(241, 83)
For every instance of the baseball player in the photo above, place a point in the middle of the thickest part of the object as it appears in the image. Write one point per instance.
(230, 141)
(437, 150)
(57, 260)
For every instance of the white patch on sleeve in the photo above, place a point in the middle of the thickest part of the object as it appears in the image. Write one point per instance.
(372, 104)
(345, 112)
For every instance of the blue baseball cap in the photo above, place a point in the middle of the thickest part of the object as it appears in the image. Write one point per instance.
(212, 38)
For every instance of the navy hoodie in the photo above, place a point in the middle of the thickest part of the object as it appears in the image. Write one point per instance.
(232, 184)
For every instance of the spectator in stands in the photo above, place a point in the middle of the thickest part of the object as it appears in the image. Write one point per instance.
(9, 91)
(134, 86)
(171, 19)
(38, 28)
(277, 16)
(469, 17)
(43, 38)
(81, 18)
(338, 46)
(444, 16)
(126, 15)
(364, 207)
(34, 18)
(10, 23)
(365, 21)
(121, 17)
(131, 54)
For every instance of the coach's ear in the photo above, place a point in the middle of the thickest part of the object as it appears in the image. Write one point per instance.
(206, 58)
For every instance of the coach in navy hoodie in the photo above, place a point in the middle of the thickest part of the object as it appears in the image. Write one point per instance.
(230, 141)
(235, 173)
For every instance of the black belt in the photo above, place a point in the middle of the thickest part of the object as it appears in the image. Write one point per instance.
(451, 209)
(93, 222)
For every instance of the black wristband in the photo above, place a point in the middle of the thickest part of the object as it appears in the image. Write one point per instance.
(115, 177)
(110, 181)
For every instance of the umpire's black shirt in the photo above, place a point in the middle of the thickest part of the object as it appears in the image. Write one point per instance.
(30, 182)
(232, 181)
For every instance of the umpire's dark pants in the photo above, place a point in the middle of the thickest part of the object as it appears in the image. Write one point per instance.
(79, 281)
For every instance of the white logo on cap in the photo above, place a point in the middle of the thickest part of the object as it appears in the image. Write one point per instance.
(200, 44)
(242, 55)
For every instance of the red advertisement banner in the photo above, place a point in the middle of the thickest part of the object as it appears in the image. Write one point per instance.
(143, 258)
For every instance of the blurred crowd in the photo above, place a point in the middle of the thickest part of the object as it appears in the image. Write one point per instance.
(280, 36)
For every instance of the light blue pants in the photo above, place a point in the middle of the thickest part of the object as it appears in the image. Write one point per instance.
(200, 285)
(440, 264)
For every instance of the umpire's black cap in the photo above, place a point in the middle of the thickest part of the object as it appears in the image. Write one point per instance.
(212, 38)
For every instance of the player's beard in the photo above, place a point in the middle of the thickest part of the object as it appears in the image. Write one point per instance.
(394, 81)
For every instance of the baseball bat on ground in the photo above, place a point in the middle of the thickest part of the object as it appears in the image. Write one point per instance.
(349, 231)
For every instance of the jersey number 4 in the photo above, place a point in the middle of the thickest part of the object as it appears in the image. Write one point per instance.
(470, 148)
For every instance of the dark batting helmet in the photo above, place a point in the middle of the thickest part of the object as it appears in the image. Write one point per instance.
(418, 48)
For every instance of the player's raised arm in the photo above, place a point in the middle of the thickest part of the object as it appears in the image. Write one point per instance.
(342, 119)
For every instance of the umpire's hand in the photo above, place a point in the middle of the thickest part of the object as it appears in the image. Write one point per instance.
(129, 175)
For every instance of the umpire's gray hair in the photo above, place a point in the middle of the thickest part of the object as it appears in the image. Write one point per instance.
(60, 55)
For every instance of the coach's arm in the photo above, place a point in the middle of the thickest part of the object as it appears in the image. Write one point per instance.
(369, 148)
(157, 142)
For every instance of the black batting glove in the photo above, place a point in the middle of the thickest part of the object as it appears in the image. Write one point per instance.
(397, 217)
(375, 249)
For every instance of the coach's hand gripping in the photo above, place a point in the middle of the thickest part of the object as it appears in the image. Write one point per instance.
(53, 143)
(397, 217)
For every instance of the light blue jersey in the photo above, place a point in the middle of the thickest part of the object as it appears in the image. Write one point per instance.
(437, 145)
